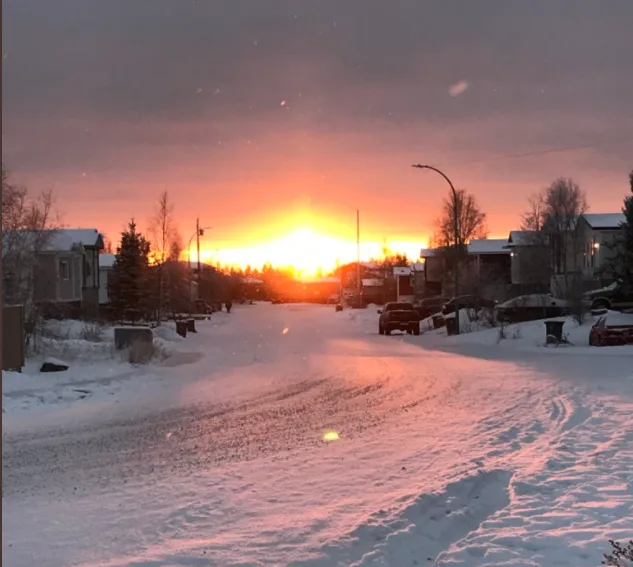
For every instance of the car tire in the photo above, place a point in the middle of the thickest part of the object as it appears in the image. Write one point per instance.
(387, 331)
(416, 330)
(381, 331)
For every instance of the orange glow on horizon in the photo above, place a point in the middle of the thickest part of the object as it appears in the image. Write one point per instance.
(306, 251)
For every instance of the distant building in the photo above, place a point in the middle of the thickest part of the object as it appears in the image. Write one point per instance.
(404, 283)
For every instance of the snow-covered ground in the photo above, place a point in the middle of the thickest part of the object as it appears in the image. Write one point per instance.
(294, 435)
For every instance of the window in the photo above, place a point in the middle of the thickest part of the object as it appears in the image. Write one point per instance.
(64, 270)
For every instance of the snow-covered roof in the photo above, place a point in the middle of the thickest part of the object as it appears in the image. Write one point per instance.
(45, 241)
(604, 220)
(402, 271)
(488, 246)
(106, 260)
(522, 238)
(477, 246)
(428, 252)
(83, 236)
(251, 280)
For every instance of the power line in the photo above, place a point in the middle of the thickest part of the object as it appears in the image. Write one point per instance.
(525, 154)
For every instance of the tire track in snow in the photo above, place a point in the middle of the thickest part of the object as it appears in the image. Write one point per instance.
(419, 534)
(197, 437)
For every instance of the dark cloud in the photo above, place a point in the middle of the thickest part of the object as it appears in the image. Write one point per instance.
(167, 89)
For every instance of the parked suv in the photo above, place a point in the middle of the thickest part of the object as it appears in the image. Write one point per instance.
(398, 316)
(431, 306)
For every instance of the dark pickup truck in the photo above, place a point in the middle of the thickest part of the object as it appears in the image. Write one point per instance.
(399, 317)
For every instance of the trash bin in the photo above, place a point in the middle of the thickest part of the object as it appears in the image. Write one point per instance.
(181, 328)
(438, 321)
(554, 330)
(451, 326)
(338, 307)
(191, 326)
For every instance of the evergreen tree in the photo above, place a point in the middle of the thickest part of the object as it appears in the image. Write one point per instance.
(129, 279)
(622, 263)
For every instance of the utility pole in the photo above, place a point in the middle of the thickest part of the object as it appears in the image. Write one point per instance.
(198, 246)
(456, 235)
(358, 252)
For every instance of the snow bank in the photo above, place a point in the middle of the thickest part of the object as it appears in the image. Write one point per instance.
(167, 332)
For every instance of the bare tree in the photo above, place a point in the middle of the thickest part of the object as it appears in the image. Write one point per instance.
(107, 245)
(533, 219)
(471, 221)
(161, 231)
(564, 201)
(28, 227)
(532, 248)
(460, 211)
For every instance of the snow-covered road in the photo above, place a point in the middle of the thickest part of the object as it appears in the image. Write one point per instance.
(301, 437)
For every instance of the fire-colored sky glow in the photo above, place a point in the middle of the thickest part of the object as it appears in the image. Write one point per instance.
(266, 118)
(305, 250)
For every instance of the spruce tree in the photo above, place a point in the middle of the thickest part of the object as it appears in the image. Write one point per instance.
(627, 238)
(621, 264)
(128, 285)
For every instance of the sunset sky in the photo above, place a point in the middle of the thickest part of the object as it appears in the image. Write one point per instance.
(275, 118)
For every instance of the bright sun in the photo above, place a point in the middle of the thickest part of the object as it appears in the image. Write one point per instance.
(307, 251)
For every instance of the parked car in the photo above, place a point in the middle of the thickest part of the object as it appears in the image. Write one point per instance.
(431, 306)
(614, 296)
(398, 316)
(531, 307)
(467, 302)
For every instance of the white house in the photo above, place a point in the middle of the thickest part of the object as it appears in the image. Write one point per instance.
(597, 233)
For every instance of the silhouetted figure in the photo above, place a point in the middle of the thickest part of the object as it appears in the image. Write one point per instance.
(228, 306)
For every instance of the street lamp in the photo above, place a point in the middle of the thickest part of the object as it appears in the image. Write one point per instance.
(456, 232)
(199, 232)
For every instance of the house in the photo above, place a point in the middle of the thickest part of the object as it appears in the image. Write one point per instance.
(64, 269)
(106, 263)
(404, 284)
(91, 240)
(435, 267)
(530, 262)
(58, 274)
(597, 234)
(371, 282)
(417, 280)
(486, 269)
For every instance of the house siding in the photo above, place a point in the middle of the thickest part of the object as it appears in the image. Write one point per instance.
(45, 278)
(596, 250)
(530, 265)
(104, 274)
(69, 289)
